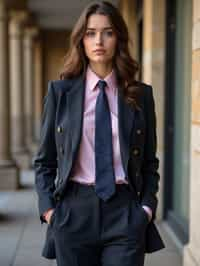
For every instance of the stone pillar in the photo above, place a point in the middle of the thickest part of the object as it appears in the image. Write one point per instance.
(19, 148)
(129, 13)
(9, 174)
(191, 254)
(29, 35)
(153, 71)
(38, 87)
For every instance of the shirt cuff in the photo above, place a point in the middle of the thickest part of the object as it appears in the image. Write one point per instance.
(148, 210)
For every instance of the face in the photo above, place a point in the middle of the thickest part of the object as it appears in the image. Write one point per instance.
(99, 40)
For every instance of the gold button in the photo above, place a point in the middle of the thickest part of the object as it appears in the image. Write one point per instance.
(135, 151)
(59, 129)
(138, 131)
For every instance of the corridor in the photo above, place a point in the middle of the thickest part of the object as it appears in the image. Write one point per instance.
(164, 39)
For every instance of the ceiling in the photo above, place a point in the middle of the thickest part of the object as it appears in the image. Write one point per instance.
(59, 14)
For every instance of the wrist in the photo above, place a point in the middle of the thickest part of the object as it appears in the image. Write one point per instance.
(148, 211)
(47, 213)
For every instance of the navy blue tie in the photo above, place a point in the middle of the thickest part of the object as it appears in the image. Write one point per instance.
(105, 177)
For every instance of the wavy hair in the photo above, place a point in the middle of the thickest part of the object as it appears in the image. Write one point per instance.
(76, 62)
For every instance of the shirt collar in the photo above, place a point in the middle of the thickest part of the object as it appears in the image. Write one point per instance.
(92, 79)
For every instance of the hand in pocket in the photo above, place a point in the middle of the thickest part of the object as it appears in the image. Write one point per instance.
(48, 215)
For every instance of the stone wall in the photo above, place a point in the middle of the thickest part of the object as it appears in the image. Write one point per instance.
(191, 252)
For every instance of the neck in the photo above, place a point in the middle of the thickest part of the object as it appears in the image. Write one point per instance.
(102, 70)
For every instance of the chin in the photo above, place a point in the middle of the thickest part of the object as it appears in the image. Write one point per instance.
(100, 60)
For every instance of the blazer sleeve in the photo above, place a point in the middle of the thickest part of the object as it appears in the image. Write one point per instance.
(45, 161)
(150, 164)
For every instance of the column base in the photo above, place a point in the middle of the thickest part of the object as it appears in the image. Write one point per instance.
(189, 257)
(9, 177)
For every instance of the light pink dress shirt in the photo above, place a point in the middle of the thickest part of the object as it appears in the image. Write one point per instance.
(84, 168)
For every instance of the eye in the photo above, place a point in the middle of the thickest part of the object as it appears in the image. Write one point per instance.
(90, 33)
(109, 33)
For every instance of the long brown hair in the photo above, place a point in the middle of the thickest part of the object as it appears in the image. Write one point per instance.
(125, 66)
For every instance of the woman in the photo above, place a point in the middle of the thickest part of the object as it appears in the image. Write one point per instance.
(99, 138)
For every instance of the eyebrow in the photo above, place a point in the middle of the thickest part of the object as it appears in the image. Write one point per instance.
(106, 28)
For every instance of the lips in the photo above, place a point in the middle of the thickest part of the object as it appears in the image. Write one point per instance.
(99, 51)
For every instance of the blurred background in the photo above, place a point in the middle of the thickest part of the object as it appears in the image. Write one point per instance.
(165, 39)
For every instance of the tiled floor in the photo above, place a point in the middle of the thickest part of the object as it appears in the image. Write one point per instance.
(22, 236)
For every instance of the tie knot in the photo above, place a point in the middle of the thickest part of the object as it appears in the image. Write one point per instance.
(102, 84)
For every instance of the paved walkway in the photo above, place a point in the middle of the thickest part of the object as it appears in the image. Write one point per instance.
(22, 236)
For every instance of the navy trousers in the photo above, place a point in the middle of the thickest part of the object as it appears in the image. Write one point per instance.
(91, 232)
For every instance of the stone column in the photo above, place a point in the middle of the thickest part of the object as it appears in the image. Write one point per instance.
(129, 12)
(19, 148)
(38, 87)
(9, 174)
(29, 35)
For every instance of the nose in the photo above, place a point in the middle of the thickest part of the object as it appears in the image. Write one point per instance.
(99, 38)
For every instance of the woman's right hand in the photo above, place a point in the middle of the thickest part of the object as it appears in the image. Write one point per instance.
(47, 215)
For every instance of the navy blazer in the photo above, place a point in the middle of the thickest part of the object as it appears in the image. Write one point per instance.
(59, 143)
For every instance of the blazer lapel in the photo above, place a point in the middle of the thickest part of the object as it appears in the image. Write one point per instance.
(126, 116)
(76, 104)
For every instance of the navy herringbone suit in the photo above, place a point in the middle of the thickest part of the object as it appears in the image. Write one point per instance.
(84, 229)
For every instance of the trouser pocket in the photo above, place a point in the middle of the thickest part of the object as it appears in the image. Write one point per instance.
(137, 222)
